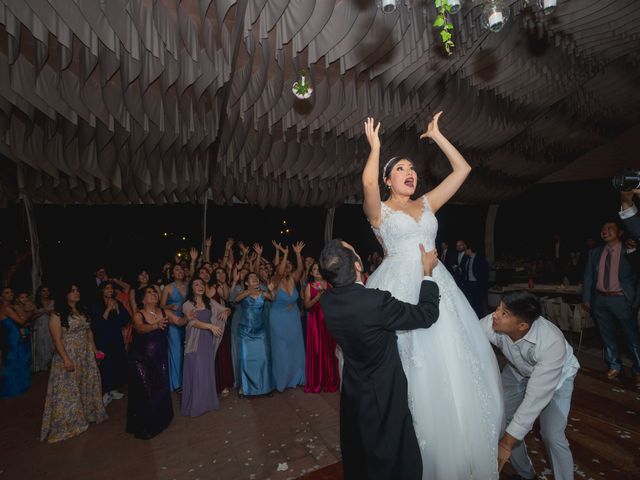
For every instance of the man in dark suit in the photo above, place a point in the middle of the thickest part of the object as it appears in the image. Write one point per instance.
(376, 429)
(611, 291)
(475, 279)
(629, 213)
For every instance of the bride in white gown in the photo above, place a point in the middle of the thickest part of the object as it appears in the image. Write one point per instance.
(455, 394)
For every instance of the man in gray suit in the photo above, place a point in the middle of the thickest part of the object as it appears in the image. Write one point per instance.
(611, 292)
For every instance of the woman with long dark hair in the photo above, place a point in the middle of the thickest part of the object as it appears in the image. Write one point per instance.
(321, 366)
(108, 317)
(74, 397)
(453, 379)
(205, 326)
(149, 408)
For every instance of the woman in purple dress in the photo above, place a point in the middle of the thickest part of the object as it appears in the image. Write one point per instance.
(206, 322)
(149, 410)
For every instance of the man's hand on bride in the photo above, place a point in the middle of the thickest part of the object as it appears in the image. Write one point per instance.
(429, 260)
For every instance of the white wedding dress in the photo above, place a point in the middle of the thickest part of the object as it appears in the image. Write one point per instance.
(455, 393)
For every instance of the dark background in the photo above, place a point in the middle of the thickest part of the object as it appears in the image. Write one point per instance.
(76, 239)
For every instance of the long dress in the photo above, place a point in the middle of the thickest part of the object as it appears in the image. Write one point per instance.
(454, 388)
(321, 365)
(149, 408)
(254, 360)
(233, 333)
(107, 335)
(43, 347)
(199, 378)
(176, 340)
(74, 399)
(16, 363)
(287, 344)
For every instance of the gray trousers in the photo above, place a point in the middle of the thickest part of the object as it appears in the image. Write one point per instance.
(553, 422)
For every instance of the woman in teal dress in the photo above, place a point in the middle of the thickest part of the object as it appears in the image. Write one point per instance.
(16, 349)
(285, 329)
(252, 345)
(173, 297)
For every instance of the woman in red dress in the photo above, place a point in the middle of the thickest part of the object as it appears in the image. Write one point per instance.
(321, 363)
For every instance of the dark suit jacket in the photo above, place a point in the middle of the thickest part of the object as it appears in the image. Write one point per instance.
(633, 225)
(626, 276)
(376, 429)
(479, 268)
(448, 258)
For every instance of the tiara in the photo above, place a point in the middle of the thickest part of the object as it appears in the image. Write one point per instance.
(389, 162)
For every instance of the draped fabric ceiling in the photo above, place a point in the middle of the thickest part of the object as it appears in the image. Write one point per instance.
(160, 101)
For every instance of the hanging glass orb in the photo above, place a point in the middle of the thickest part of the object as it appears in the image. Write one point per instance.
(456, 5)
(547, 6)
(387, 6)
(495, 14)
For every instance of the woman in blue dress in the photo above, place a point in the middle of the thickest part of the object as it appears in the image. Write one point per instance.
(285, 329)
(16, 349)
(173, 297)
(254, 369)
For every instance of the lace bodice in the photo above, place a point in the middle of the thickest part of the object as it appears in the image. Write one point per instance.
(399, 233)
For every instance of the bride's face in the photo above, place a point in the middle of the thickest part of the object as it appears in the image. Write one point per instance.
(403, 178)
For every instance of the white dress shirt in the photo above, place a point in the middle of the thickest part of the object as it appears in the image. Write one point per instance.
(628, 212)
(544, 358)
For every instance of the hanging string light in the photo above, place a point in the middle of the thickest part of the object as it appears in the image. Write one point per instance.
(456, 5)
(387, 6)
(495, 14)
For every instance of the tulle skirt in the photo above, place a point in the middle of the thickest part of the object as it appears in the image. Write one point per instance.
(455, 394)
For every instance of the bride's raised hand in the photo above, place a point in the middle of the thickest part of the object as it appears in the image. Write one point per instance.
(371, 132)
(432, 129)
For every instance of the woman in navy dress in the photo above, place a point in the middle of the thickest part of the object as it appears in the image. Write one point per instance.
(285, 329)
(108, 317)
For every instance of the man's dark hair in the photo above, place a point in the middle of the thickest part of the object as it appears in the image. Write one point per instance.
(337, 264)
(523, 305)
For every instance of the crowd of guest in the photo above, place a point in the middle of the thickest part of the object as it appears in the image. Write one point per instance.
(200, 329)
(205, 327)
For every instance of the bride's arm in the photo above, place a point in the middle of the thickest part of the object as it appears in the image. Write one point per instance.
(371, 204)
(452, 183)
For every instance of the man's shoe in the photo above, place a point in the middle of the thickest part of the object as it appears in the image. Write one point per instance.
(613, 374)
(106, 399)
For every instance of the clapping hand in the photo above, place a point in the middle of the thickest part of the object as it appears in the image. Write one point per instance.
(208, 242)
(277, 245)
(372, 133)
(257, 248)
(193, 253)
(432, 129)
